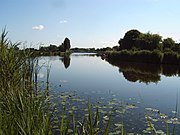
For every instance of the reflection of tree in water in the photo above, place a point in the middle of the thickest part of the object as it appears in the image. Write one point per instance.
(142, 77)
(144, 72)
(66, 61)
(140, 72)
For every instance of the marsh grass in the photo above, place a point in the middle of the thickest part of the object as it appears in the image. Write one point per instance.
(23, 110)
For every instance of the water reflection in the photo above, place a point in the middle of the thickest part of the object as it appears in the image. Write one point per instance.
(66, 61)
(143, 72)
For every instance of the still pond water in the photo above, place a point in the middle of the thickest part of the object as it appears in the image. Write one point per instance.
(132, 90)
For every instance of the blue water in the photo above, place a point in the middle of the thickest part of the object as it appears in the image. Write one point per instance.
(94, 78)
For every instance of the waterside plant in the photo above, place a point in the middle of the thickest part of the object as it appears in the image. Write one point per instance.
(23, 109)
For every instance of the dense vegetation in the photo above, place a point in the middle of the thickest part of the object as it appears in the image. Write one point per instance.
(23, 109)
(51, 50)
(146, 47)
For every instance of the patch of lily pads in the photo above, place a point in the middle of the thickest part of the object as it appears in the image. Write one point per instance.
(124, 115)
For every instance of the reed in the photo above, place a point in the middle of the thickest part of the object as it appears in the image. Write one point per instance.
(23, 110)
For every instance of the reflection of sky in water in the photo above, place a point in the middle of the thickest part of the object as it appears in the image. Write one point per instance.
(92, 77)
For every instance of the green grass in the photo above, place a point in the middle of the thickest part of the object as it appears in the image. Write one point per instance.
(23, 110)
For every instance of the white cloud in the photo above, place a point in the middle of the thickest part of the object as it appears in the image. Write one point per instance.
(63, 21)
(40, 27)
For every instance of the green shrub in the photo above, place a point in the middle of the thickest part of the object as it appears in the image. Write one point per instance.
(171, 58)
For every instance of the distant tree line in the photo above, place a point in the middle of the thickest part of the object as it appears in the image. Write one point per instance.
(146, 47)
(65, 46)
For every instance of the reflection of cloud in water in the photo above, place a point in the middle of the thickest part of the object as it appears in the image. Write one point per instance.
(63, 81)
(40, 75)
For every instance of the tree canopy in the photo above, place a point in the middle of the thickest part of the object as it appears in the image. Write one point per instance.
(142, 41)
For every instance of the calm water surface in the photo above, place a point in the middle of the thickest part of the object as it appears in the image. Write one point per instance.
(143, 86)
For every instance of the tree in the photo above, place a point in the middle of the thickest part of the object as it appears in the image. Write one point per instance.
(129, 40)
(149, 41)
(61, 48)
(52, 48)
(168, 43)
(67, 44)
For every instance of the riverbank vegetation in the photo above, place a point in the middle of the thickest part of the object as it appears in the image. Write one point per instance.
(51, 50)
(27, 109)
(23, 109)
(146, 48)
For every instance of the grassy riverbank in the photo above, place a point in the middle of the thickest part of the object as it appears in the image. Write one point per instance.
(23, 109)
(145, 56)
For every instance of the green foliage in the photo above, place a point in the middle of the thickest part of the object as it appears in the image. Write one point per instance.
(136, 39)
(168, 43)
(53, 49)
(137, 56)
(171, 58)
(66, 44)
(23, 110)
(129, 39)
(148, 41)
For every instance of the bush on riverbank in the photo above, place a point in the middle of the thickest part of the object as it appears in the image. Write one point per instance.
(143, 56)
(146, 48)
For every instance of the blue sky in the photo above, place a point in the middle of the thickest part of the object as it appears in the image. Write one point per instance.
(87, 23)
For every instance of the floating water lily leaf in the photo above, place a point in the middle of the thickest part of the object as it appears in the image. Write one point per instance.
(146, 132)
(148, 129)
(132, 134)
(118, 125)
(102, 111)
(70, 131)
(154, 120)
(160, 132)
(163, 116)
(112, 103)
(169, 121)
(106, 118)
(70, 111)
(174, 119)
(63, 103)
(131, 106)
(120, 111)
(174, 112)
(115, 133)
(155, 110)
(74, 108)
(86, 109)
(176, 122)
(104, 107)
(149, 109)
(64, 96)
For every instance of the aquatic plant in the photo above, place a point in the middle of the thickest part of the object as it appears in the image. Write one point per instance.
(23, 109)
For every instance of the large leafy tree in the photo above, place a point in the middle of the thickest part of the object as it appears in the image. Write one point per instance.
(129, 40)
(67, 44)
(149, 41)
(136, 39)
(168, 43)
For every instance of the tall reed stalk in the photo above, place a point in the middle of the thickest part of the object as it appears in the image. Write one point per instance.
(22, 110)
